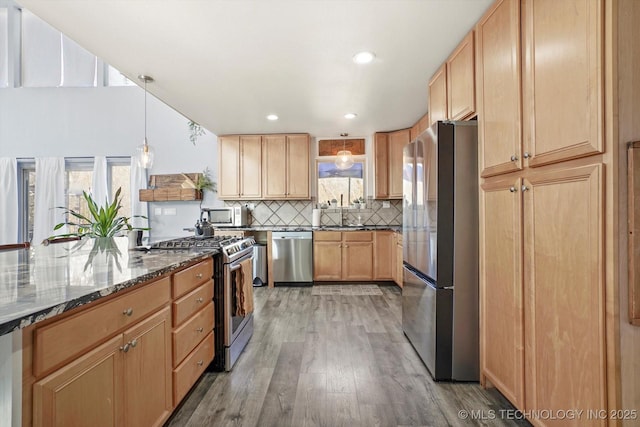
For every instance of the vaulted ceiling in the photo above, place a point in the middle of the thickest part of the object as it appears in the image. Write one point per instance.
(228, 64)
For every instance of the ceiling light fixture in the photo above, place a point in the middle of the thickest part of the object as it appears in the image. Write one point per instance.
(344, 159)
(350, 116)
(272, 117)
(144, 152)
(363, 57)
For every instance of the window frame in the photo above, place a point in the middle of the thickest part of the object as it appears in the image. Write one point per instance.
(332, 159)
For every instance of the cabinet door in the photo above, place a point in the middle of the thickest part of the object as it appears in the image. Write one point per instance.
(501, 306)
(251, 167)
(564, 292)
(275, 161)
(399, 264)
(229, 167)
(298, 167)
(563, 80)
(87, 391)
(461, 81)
(327, 260)
(384, 258)
(397, 141)
(438, 95)
(381, 165)
(147, 371)
(498, 80)
(357, 261)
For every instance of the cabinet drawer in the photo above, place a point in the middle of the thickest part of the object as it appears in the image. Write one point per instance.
(187, 373)
(190, 278)
(184, 307)
(357, 236)
(187, 336)
(330, 236)
(60, 341)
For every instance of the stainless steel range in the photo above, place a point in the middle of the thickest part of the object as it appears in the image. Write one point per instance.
(232, 330)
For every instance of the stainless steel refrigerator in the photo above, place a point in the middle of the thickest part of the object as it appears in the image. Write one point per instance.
(440, 237)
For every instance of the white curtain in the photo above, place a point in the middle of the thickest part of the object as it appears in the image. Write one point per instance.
(8, 201)
(49, 195)
(138, 182)
(99, 181)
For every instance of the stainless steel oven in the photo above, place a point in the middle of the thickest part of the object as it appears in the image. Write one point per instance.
(237, 328)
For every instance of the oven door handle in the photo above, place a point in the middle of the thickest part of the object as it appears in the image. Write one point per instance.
(234, 267)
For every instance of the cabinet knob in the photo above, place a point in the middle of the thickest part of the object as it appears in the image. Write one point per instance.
(200, 329)
(525, 188)
(127, 311)
(526, 155)
(513, 189)
(345, 246)
(125, 348)
(514, 158)
(199, 276)
(200, 362)
(200, 300)
(134, 343)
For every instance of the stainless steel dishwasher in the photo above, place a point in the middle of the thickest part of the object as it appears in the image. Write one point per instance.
(292, 253)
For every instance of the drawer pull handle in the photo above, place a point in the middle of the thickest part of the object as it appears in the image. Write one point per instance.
(134, 343)
(200, 329)
(125, 348)
(199, 275)
(200, 300)
(128, 312)
(200, 362)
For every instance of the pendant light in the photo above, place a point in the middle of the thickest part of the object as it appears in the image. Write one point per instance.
(344, 159)
(144, 152)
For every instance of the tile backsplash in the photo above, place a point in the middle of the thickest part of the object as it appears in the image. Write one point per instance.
(298, 213)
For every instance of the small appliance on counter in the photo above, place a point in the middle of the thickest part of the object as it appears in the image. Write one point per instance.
(236, 216)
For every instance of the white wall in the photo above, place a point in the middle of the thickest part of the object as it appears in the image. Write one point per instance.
(109, 121)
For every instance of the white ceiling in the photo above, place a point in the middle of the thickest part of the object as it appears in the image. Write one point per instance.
(226, 64)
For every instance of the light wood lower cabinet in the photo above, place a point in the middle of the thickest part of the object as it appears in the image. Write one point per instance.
(542, 295)
(125, 381)
(501, 306)
(564, 296)
(384, 257)
(353, 255)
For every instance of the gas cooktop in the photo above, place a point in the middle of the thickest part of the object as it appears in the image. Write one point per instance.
(215, 242)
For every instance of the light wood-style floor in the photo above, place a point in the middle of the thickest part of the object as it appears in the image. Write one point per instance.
(332, 360)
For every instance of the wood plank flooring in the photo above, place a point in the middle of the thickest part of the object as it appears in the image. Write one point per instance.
(332, 360)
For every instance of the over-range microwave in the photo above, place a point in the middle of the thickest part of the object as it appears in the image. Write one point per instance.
(236, 216)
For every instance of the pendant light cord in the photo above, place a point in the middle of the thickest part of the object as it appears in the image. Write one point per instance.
(145, 111)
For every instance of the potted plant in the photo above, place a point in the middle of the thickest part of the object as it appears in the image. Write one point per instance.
(102, 221)
(195, 131)
(358, 203)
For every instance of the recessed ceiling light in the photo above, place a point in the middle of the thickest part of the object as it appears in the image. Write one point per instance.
(350, 116)
(363, 57)
(272, 117)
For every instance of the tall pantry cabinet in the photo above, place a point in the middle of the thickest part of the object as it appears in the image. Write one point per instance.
(542, 283)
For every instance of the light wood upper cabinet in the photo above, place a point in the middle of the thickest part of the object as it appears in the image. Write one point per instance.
(381, 164)
(286, 166)
(461, 81)
(240, 166)
(397, 141)
(438, 95)
(563, 79)
(498, 89)
(298, 167)
(564, 291)
(501, 290)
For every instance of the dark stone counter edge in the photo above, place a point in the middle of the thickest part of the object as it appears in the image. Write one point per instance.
(309, 228)
(47, 313)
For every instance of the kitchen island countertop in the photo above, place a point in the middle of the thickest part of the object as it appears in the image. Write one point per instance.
(220, 230)
(44, 281)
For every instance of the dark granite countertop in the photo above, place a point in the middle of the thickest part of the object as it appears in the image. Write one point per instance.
(310, 228)
(44, 281)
